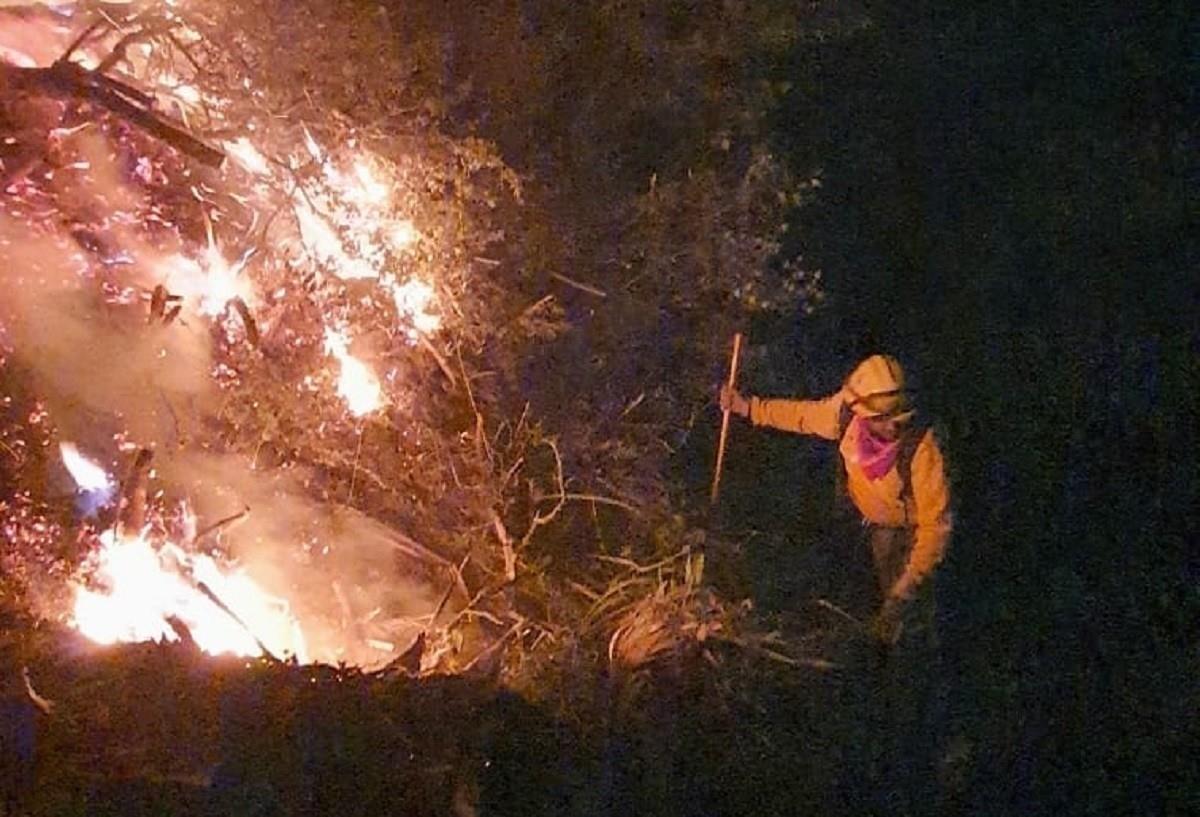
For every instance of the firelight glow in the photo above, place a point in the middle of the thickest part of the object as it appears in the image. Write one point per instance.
(141, 588)
(88, 475)
(357, 384)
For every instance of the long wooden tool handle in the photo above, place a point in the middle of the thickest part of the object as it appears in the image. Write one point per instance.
(733, 367)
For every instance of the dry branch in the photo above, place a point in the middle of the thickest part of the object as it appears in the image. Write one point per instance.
(68, 80)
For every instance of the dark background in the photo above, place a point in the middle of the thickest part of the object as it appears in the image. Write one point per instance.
(1006, 204)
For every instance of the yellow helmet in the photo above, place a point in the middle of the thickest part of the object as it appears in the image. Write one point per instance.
(876, 389)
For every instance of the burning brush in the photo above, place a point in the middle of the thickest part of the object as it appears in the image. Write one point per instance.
(164, 214)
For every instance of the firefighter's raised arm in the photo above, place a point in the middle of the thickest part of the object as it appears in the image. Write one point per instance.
(817, 417)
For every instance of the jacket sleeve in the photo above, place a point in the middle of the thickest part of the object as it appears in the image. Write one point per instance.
(931, 494)
(818, 417)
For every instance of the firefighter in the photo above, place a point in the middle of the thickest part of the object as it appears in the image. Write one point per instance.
(894, 474)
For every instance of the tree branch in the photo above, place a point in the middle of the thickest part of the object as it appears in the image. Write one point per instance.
(71, 81)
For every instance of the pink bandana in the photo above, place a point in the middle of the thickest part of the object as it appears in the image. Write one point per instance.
(876, 456)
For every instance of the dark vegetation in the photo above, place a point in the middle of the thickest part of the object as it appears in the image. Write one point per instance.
(1000, 197)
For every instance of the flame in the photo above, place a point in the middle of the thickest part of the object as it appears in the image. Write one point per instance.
(143, 587)
(314, 150)
(413, 300)
(88, 475)
(248, 156)
(326, 247)
(403, 234)
(369, 191)
(210, 283)
(357, 384)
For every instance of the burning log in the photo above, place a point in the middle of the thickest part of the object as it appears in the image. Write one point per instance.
(247, 320)
(69, 80)
(132, 513)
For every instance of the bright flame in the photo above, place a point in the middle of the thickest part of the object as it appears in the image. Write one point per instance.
(357, 384)
(369, 191)
(325, 245)
(88, 475)
(210, 283)
(346, 217)
(248, 156)
(403, 234)
(314, 150)
(413, 300)
(223, 282)
(143, 587)
(187, 93)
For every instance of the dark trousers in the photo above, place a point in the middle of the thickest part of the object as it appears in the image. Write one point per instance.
(889, 551)
(909, 685)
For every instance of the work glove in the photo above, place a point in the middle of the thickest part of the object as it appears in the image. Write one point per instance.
(888, 623)
(732, 400)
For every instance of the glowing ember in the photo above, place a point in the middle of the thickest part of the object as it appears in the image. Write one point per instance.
(87, 475)
(357, 384)
(144, 588)
(413, 300)
(223, 282)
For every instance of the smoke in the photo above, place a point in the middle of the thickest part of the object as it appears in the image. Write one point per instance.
(341, 570)
(77, 323)
(91, 357)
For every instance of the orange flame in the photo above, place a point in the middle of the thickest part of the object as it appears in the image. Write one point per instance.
(357, 384)
(144, 587)
(414, 300)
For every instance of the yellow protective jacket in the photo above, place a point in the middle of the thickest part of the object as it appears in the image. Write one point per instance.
(880, 501)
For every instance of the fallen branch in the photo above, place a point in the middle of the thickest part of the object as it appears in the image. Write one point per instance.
(599, 500)
(838, 611)
(441, 360)
(540, 519)
(582, 287)
(774, 655)
(411, 547)
(69, 80)
(221, 524)
(215, 599)
(637, 568)
(510, 557)
(457, 582)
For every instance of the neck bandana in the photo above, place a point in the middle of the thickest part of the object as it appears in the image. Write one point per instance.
(876, 456)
